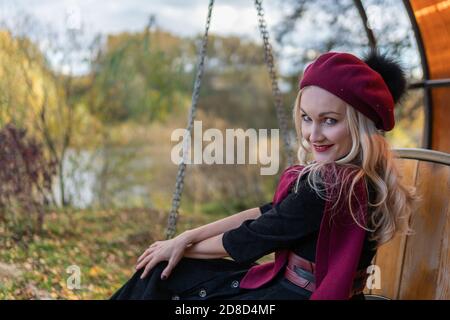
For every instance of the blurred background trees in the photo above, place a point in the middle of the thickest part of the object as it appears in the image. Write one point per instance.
(107, 128)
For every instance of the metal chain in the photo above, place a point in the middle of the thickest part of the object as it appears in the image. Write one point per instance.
(176, 198)
(281, 116)
(173, 216)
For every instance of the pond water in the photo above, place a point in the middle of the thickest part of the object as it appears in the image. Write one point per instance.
(116, 177)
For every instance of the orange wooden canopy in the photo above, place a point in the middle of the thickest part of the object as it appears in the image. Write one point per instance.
(431, 23)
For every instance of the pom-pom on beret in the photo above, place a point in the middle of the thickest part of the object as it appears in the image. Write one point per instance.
(359, 84)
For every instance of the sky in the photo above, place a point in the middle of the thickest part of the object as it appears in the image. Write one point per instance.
(181, 17)
(184, 18)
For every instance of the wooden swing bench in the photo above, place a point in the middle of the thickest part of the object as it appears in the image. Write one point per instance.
(417, 267)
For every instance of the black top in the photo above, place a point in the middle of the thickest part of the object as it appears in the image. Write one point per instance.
(293, 224)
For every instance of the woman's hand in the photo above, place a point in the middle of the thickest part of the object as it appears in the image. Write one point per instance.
(169, 250)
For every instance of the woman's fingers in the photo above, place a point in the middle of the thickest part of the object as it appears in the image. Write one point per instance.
(173, 261)
(157, 252)
(143, 255)
(146, 253)
(149, 266)
(168, 270)
(144, 261)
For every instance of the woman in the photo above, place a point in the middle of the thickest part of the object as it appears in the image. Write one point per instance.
(328, 215)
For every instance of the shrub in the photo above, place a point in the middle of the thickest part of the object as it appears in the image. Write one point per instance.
(25, 182)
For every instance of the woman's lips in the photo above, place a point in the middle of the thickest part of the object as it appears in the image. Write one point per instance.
(323, 148)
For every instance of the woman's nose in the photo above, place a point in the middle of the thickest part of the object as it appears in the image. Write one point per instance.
(316, 133)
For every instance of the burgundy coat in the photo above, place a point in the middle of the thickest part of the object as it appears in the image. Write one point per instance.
(339, 244)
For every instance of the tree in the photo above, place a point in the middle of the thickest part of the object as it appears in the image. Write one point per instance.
(40, 99)
(138, 77)
(26, 177)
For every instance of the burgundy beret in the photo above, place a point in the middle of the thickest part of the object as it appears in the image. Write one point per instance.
(352, 80)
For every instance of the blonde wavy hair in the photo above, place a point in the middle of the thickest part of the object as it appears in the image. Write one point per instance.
(371, 158)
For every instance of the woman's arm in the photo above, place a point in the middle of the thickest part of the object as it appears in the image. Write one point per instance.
(203, 242)
(210, 248)
(219, 227)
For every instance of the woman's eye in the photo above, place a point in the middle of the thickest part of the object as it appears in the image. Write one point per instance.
(330, 121)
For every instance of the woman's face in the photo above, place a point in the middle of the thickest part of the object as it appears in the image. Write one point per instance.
(324, 124)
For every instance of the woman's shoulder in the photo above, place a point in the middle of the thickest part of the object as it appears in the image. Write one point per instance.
(307, 189)
(329, 178)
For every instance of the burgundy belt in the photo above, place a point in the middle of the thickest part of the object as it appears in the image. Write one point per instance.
(300, 272)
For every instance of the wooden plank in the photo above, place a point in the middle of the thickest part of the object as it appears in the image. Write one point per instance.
(423, 253)
(443, 282)
(440, 139)
(389, 257)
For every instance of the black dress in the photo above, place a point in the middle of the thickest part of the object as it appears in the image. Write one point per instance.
(293, 223)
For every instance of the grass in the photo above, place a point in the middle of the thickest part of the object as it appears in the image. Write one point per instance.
(104, 245)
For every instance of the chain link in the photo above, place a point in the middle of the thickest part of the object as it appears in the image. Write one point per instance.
(281, 116)
(179, 183)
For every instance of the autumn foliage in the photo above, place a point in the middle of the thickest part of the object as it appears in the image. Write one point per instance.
(26, 177)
